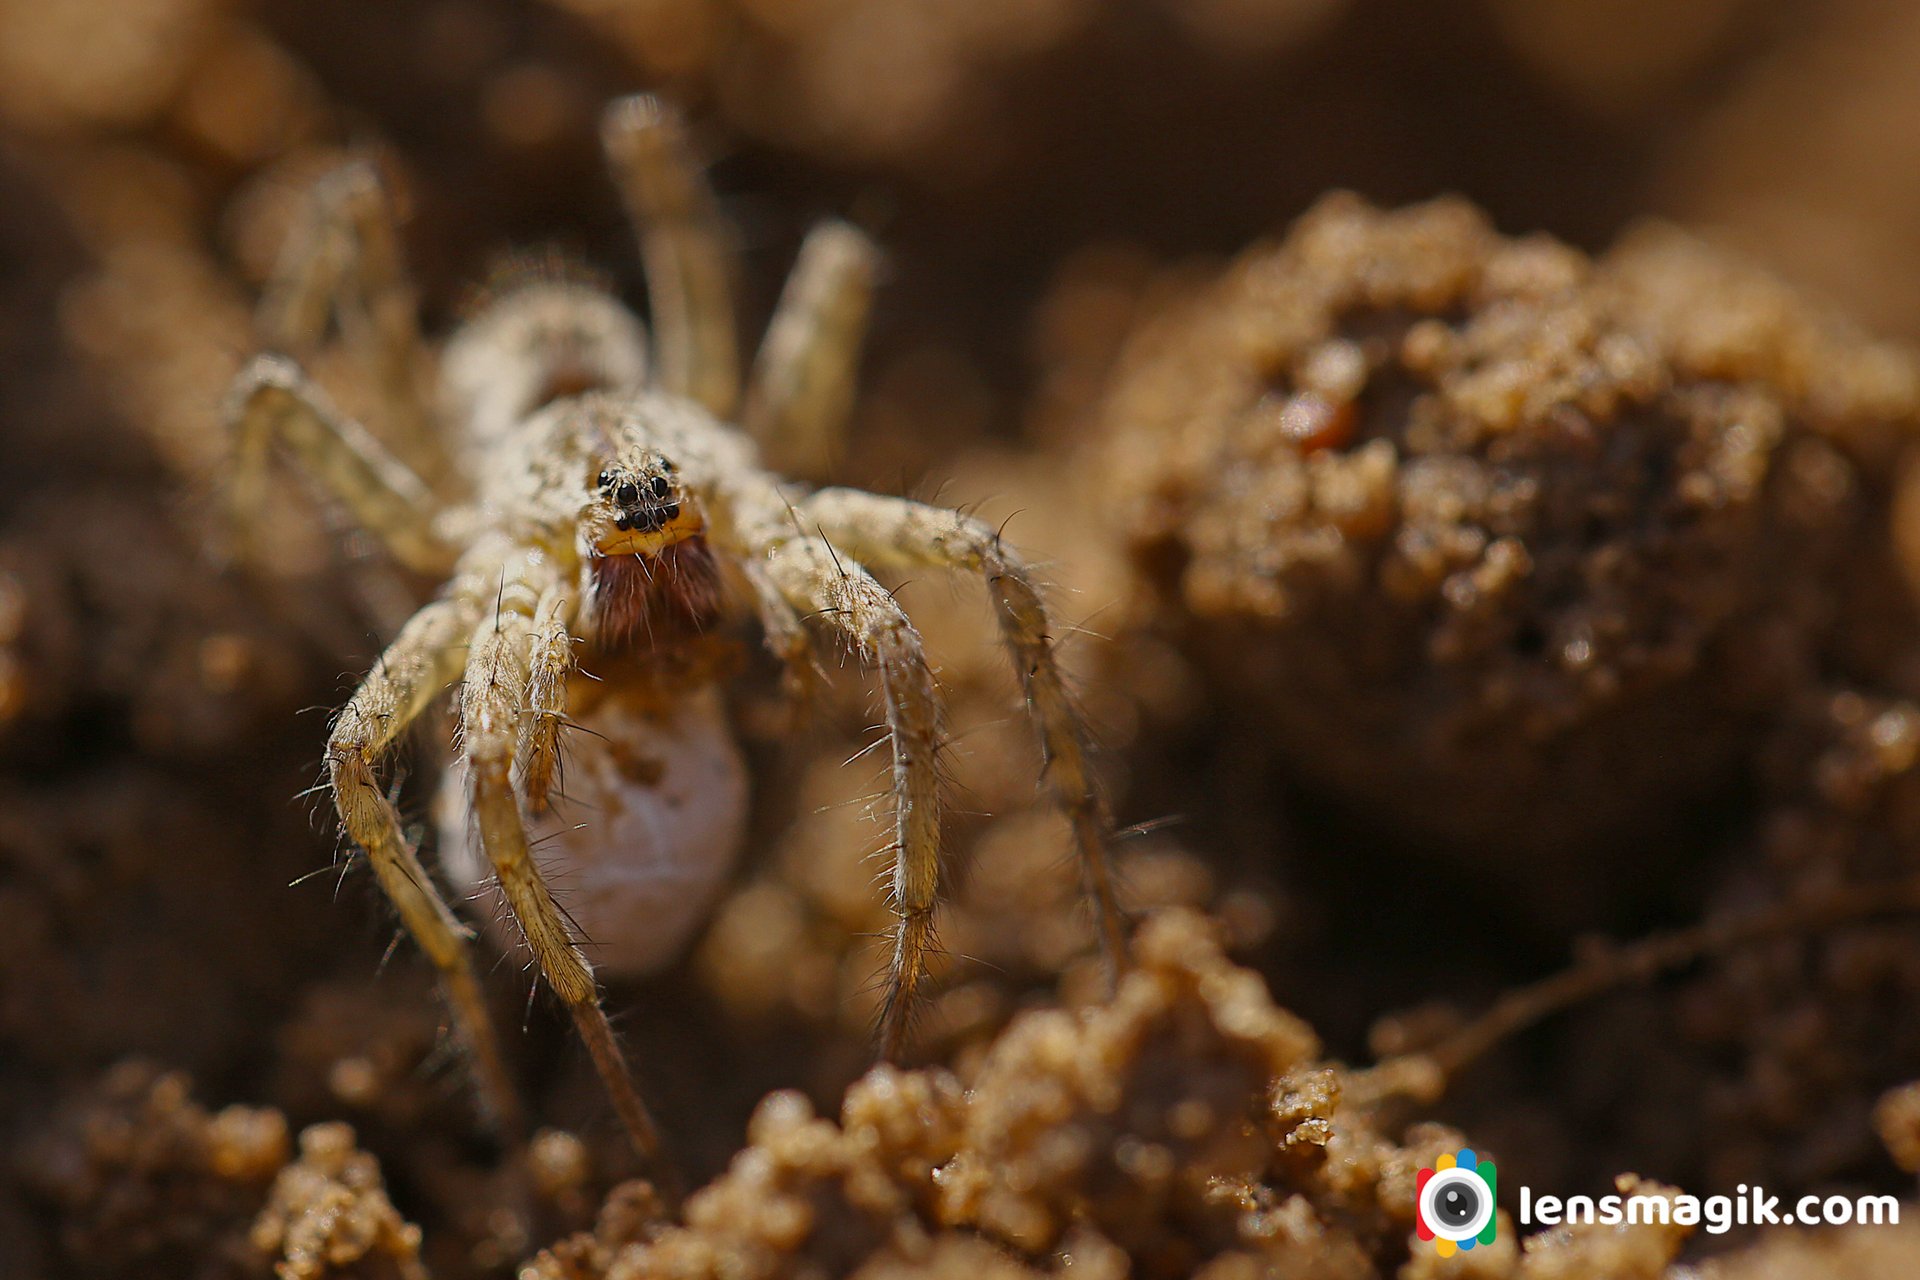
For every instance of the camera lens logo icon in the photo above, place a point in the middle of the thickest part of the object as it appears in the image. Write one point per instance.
(1453, 1202)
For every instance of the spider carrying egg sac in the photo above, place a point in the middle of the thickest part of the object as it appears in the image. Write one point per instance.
(646, 825)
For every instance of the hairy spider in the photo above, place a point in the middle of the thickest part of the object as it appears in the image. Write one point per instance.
(590, 509)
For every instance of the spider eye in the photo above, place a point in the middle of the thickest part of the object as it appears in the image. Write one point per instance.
(605, 480)
(627, 494)
(660, 487)
(622, 522)
(670, 512)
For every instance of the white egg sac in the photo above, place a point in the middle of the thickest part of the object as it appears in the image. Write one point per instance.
(647, 822)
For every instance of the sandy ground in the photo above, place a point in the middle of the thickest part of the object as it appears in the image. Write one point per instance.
(1460, 591)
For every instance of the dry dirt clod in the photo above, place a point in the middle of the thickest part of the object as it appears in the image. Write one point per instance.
(328, 1215)
(1585, 505)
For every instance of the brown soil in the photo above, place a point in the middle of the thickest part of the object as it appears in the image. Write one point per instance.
(1455, 595)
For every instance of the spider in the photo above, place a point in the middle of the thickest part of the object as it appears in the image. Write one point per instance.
(593, 508)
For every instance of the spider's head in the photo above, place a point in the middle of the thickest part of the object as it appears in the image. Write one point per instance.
(639, 507)
(654, 577)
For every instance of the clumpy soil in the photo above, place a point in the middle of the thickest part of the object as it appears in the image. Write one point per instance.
(1541, 539)
(1555, 594)
(1453, 609)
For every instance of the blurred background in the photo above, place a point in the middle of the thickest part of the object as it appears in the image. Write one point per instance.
(1044, 175)
(997, 147)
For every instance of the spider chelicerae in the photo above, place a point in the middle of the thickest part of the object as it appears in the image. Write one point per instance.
(593, 504)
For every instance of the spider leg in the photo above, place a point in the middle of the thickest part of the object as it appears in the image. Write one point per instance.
(273, 402)
(684, 246)
(803, 379)
(551, 662)
(786, 634)
(898, 533)
(492, 700)
(813, 579)
(421, 662)
(343, 262)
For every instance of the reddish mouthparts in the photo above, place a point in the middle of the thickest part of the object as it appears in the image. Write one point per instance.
(651, 601)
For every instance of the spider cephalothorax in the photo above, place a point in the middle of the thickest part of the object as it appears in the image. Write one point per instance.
(597, 510)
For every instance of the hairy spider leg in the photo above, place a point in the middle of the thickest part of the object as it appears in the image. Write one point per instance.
(274, 403)
(494, 700)
(803, 380)
(343, 263)
(418, 666)
(684, 247)
(896, 533)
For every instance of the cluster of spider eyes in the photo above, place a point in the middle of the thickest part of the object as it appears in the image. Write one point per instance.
(628, 493)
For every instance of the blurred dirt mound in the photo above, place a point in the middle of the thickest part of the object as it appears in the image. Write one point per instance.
(1508, 578)
(1511, 549)
(1400, 535)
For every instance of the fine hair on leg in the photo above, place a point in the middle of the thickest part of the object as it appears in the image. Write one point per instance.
(274, 404)
(551, 662)
(840, 594)
(344, 263)
(493, 701)
(897, 533)
(420, 664)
